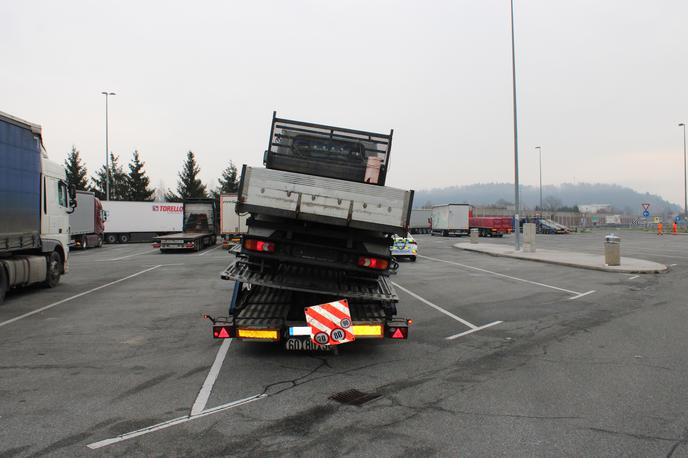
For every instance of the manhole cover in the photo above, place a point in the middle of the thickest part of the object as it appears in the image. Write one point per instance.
(354, 397)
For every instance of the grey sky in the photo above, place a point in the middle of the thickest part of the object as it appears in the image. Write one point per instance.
(602, 84)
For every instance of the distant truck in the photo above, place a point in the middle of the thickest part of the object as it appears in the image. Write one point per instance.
(491, 226)
(140, 221)
(232, 224)
(87, 222)
(200, 230)
(35, 202)
(421, 221)
(451, 219)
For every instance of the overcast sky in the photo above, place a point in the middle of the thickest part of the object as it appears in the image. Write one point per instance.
(602, 85)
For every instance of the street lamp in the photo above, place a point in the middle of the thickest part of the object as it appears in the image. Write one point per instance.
(685, 178)
(107, 147)
(517, 219)
(539, 148)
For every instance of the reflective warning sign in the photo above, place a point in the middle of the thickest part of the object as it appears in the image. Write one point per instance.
(330, 323)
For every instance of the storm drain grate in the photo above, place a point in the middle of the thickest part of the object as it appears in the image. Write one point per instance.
(354, 397)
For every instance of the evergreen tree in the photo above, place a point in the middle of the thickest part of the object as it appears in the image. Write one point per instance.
(189, 185)
(229, 183)
(138, 183)
(119, 185)
(76, 170)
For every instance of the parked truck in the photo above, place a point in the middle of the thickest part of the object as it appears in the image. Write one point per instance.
(232, 223)
(35, 202)
(140, 221)
(450, 219)
(492, 226)
(421, 221)
(320, 227)
(201, 226)
(87, 221)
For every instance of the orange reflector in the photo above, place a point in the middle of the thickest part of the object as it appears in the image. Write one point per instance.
(367, 330)
(267, 334)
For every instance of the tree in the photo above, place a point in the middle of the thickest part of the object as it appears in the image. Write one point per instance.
(189, 185)
(76, 171)
(228, 181)
(118, 181)
(138, 189)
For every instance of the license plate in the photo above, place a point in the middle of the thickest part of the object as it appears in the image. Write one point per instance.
(294, 343)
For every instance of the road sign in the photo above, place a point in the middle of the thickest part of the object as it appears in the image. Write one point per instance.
(636, 221)
(677, 219)
(646, 214)
(646, 207)
(330, 323)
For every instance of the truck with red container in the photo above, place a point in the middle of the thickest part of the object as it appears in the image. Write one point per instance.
(319, 231)
(491, 226)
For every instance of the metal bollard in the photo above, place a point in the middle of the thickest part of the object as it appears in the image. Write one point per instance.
(475, 234)
(529, 231)
(612, 250)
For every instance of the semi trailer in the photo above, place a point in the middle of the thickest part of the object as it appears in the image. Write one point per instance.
(35, 202)
(200, 229)
(421, 221)
(319, 231)
(140, 221)
(232, 223)
(450, 219)
(87, 221)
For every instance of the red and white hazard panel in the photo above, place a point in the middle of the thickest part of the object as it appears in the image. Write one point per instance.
(330, 323)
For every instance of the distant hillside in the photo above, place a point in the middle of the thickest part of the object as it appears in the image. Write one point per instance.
(623, 199)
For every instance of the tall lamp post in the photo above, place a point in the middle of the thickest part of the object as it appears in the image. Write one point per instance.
(685, 177)
(517, 219)
(107, 146)
(539, 148)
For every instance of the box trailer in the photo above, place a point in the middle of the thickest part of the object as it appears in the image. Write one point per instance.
(421, 221)
(141, 221)
(232, 223)
(86, 222)
(450, 219)
(35, 202)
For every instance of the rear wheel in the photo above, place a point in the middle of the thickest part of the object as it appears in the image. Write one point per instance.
(123, 238)
(100, 241)
(84, 242)
(111, 238)
(4, 283)
(54, 269)
(413, 259)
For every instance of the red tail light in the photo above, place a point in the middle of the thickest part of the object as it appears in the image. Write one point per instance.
(259, 245)
(373, 263)
(398, 333)
(222, 332)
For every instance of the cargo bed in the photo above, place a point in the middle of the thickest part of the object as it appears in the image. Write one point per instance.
(325, 200)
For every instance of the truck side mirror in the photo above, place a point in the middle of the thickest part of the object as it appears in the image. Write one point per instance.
(104, 215)
(71, 192)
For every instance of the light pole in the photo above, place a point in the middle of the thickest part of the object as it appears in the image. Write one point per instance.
(539, 148)
(685, 177)
(107, 147)
(517, 219)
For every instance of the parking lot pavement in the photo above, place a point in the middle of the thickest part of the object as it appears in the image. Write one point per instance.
(556, 372)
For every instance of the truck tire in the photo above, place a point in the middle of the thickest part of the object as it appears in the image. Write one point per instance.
(4, 283)
(123, 238)
(100, 241)
(84, 242)
(54, 261)
(111, 238)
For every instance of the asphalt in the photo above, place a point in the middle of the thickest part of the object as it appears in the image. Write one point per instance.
(579, 362)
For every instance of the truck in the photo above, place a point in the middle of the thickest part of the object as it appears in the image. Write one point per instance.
(87, 221)
(140, 221)
(421, 221)
(232, 224)
(492, 226)
(450, 219)
(319, 231)
(35, 202)
(200, 229)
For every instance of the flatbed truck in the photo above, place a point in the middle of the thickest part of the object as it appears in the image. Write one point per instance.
(199, 231)
(320, 228)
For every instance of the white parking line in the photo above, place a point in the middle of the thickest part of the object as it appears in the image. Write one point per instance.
(473, 328)
(633, 277)
(576, 294)
(672, 265)
(173, 422)
(129, 256)
(204, 394)
(211, 249)
(54, 304)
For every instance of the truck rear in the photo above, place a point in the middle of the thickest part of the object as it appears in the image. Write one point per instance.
(319, 232)
(421, 221)
(87, 221)
(450, 219)
(232, 223)
(492, 226)
(201, 226)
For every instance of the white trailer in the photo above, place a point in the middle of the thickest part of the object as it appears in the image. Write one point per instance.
(141, 221)
(421, 221)
(450, 219)
(232, 224)
(86, 221)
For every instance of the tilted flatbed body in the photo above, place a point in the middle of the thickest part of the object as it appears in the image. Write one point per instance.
(201, 225)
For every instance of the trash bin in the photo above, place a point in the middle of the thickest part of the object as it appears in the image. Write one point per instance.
(475, 234)
(612, 250)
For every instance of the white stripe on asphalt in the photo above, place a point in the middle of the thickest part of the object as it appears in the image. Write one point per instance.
(544, 285)
(54, 304)
(633, 277)
(578, 296)
(470, 331)
(125, 257)
(436, 307)
(211, 249)
(207, 388)
(173, 422)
